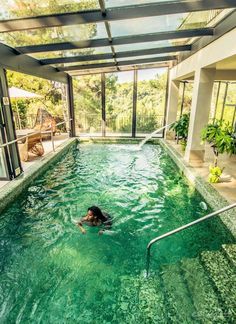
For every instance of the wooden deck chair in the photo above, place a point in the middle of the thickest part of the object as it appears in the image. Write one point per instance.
(33, 144)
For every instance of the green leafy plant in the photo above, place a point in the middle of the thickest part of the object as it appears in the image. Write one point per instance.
(180, 127)
(215, 173)
(221, 138)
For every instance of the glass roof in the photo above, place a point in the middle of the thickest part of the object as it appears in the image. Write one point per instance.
(120, 3)
(86, 32)
(83, 63)
(62, 34)
(133, 58)
(148, 45)
(159, 24)
(11, 9)
(71, 53)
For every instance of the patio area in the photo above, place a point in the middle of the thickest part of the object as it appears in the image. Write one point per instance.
(48, 148)
(227, 185)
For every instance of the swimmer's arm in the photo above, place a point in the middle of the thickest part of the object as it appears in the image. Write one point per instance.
(80, 224)
(101, 231)
(81, 228)
(106, 227)
(82, 220)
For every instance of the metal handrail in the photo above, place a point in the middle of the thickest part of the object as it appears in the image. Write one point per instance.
(181, 229)
(47, 130)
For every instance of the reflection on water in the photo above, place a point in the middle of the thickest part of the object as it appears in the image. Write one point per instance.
(50, 271)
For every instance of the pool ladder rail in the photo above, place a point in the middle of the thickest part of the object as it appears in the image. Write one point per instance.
(202, 219)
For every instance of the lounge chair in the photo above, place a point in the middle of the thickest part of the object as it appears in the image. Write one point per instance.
(33, 144)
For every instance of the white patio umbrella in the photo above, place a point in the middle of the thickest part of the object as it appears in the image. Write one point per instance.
(17, 93)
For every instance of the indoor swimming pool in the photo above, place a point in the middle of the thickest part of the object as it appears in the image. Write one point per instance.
(51, 273)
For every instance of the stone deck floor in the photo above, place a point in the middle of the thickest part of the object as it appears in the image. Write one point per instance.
(227, 185)
(58, 140)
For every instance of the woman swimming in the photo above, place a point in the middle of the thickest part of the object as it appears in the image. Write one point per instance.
(95, 217)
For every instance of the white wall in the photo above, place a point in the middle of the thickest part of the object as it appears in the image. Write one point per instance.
(224, 47)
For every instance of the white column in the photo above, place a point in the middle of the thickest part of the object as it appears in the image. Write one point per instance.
(172, 106)
(199, 115)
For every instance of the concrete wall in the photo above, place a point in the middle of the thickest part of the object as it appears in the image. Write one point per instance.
(216, 61)
(223, 48)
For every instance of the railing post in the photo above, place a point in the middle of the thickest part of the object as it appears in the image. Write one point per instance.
(70, 100)
(148, 261)
(53, 146)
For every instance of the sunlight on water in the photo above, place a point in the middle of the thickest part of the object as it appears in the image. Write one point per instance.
(52, 273)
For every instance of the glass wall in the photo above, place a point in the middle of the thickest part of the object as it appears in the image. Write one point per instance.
(119, 103)
(151, 97)
(228, 114)
(3, 169)
(3, 173)
(36, 102)
(88, 105)
(219, 99)
(185, 98)
(214, 101)
(224, 102)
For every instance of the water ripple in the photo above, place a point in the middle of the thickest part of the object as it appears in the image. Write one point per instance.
(50, 271)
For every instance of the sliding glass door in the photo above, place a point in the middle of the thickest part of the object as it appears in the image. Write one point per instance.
(3, 170)
(3, 165)
(10, 166)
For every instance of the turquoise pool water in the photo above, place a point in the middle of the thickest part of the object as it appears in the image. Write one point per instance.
(51, 273)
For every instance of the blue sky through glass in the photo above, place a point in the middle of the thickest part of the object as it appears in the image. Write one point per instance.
(146, 74)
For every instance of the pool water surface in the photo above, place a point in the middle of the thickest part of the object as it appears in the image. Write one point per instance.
(52, 273)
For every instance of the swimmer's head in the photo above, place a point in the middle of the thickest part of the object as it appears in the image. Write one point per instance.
(90, 214)
(95, 212)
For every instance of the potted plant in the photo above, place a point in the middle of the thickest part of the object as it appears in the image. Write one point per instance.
(221, 138)
(181, 129)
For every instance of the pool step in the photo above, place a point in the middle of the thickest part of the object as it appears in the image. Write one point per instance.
(207, 305)
(223, 278)
(194, 290)
(127, 306)
(179, 306)
(230, 252)
(151, 301)
(140, 301)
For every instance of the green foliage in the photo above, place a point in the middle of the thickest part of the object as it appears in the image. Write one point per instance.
(233, 137)
(215, 173)
(50, 91)
(181, 127)
(27, 8)
(19, 107)
(52, 95)
(221, 138)
(183, 144)
(119, 103)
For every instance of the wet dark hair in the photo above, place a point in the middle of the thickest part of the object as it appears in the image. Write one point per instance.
(97, 212)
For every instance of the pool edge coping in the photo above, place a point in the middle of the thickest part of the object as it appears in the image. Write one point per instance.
(10, 191)
(210, 194)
